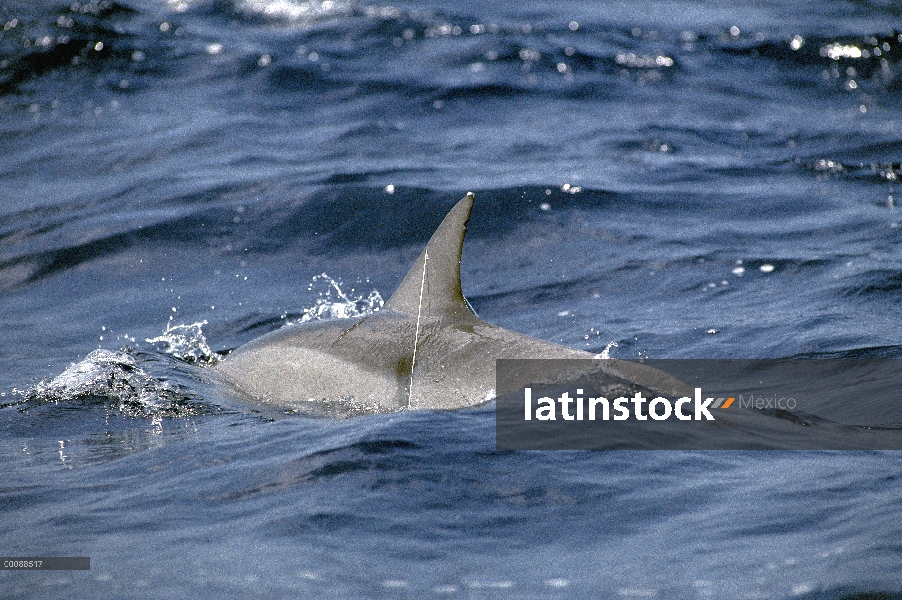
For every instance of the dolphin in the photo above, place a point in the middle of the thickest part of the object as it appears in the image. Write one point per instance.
(425, 349)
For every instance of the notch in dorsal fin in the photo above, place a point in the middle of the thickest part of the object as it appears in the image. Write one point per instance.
(432, 287)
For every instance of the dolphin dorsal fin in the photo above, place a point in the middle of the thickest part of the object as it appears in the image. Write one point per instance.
(432, 286)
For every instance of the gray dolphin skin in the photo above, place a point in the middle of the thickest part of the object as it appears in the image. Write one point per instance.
(425, 348)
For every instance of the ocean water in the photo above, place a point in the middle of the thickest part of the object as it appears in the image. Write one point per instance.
(661, 179)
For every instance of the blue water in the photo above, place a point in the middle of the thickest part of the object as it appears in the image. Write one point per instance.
(683, 179)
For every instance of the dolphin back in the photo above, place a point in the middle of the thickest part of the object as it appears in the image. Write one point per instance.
(424, 349)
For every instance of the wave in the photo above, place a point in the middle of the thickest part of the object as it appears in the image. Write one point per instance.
(439, 57)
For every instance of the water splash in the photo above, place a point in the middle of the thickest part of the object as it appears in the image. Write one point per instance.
(116, 377)
(187, 343)
(334, 303)
(606, 353)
